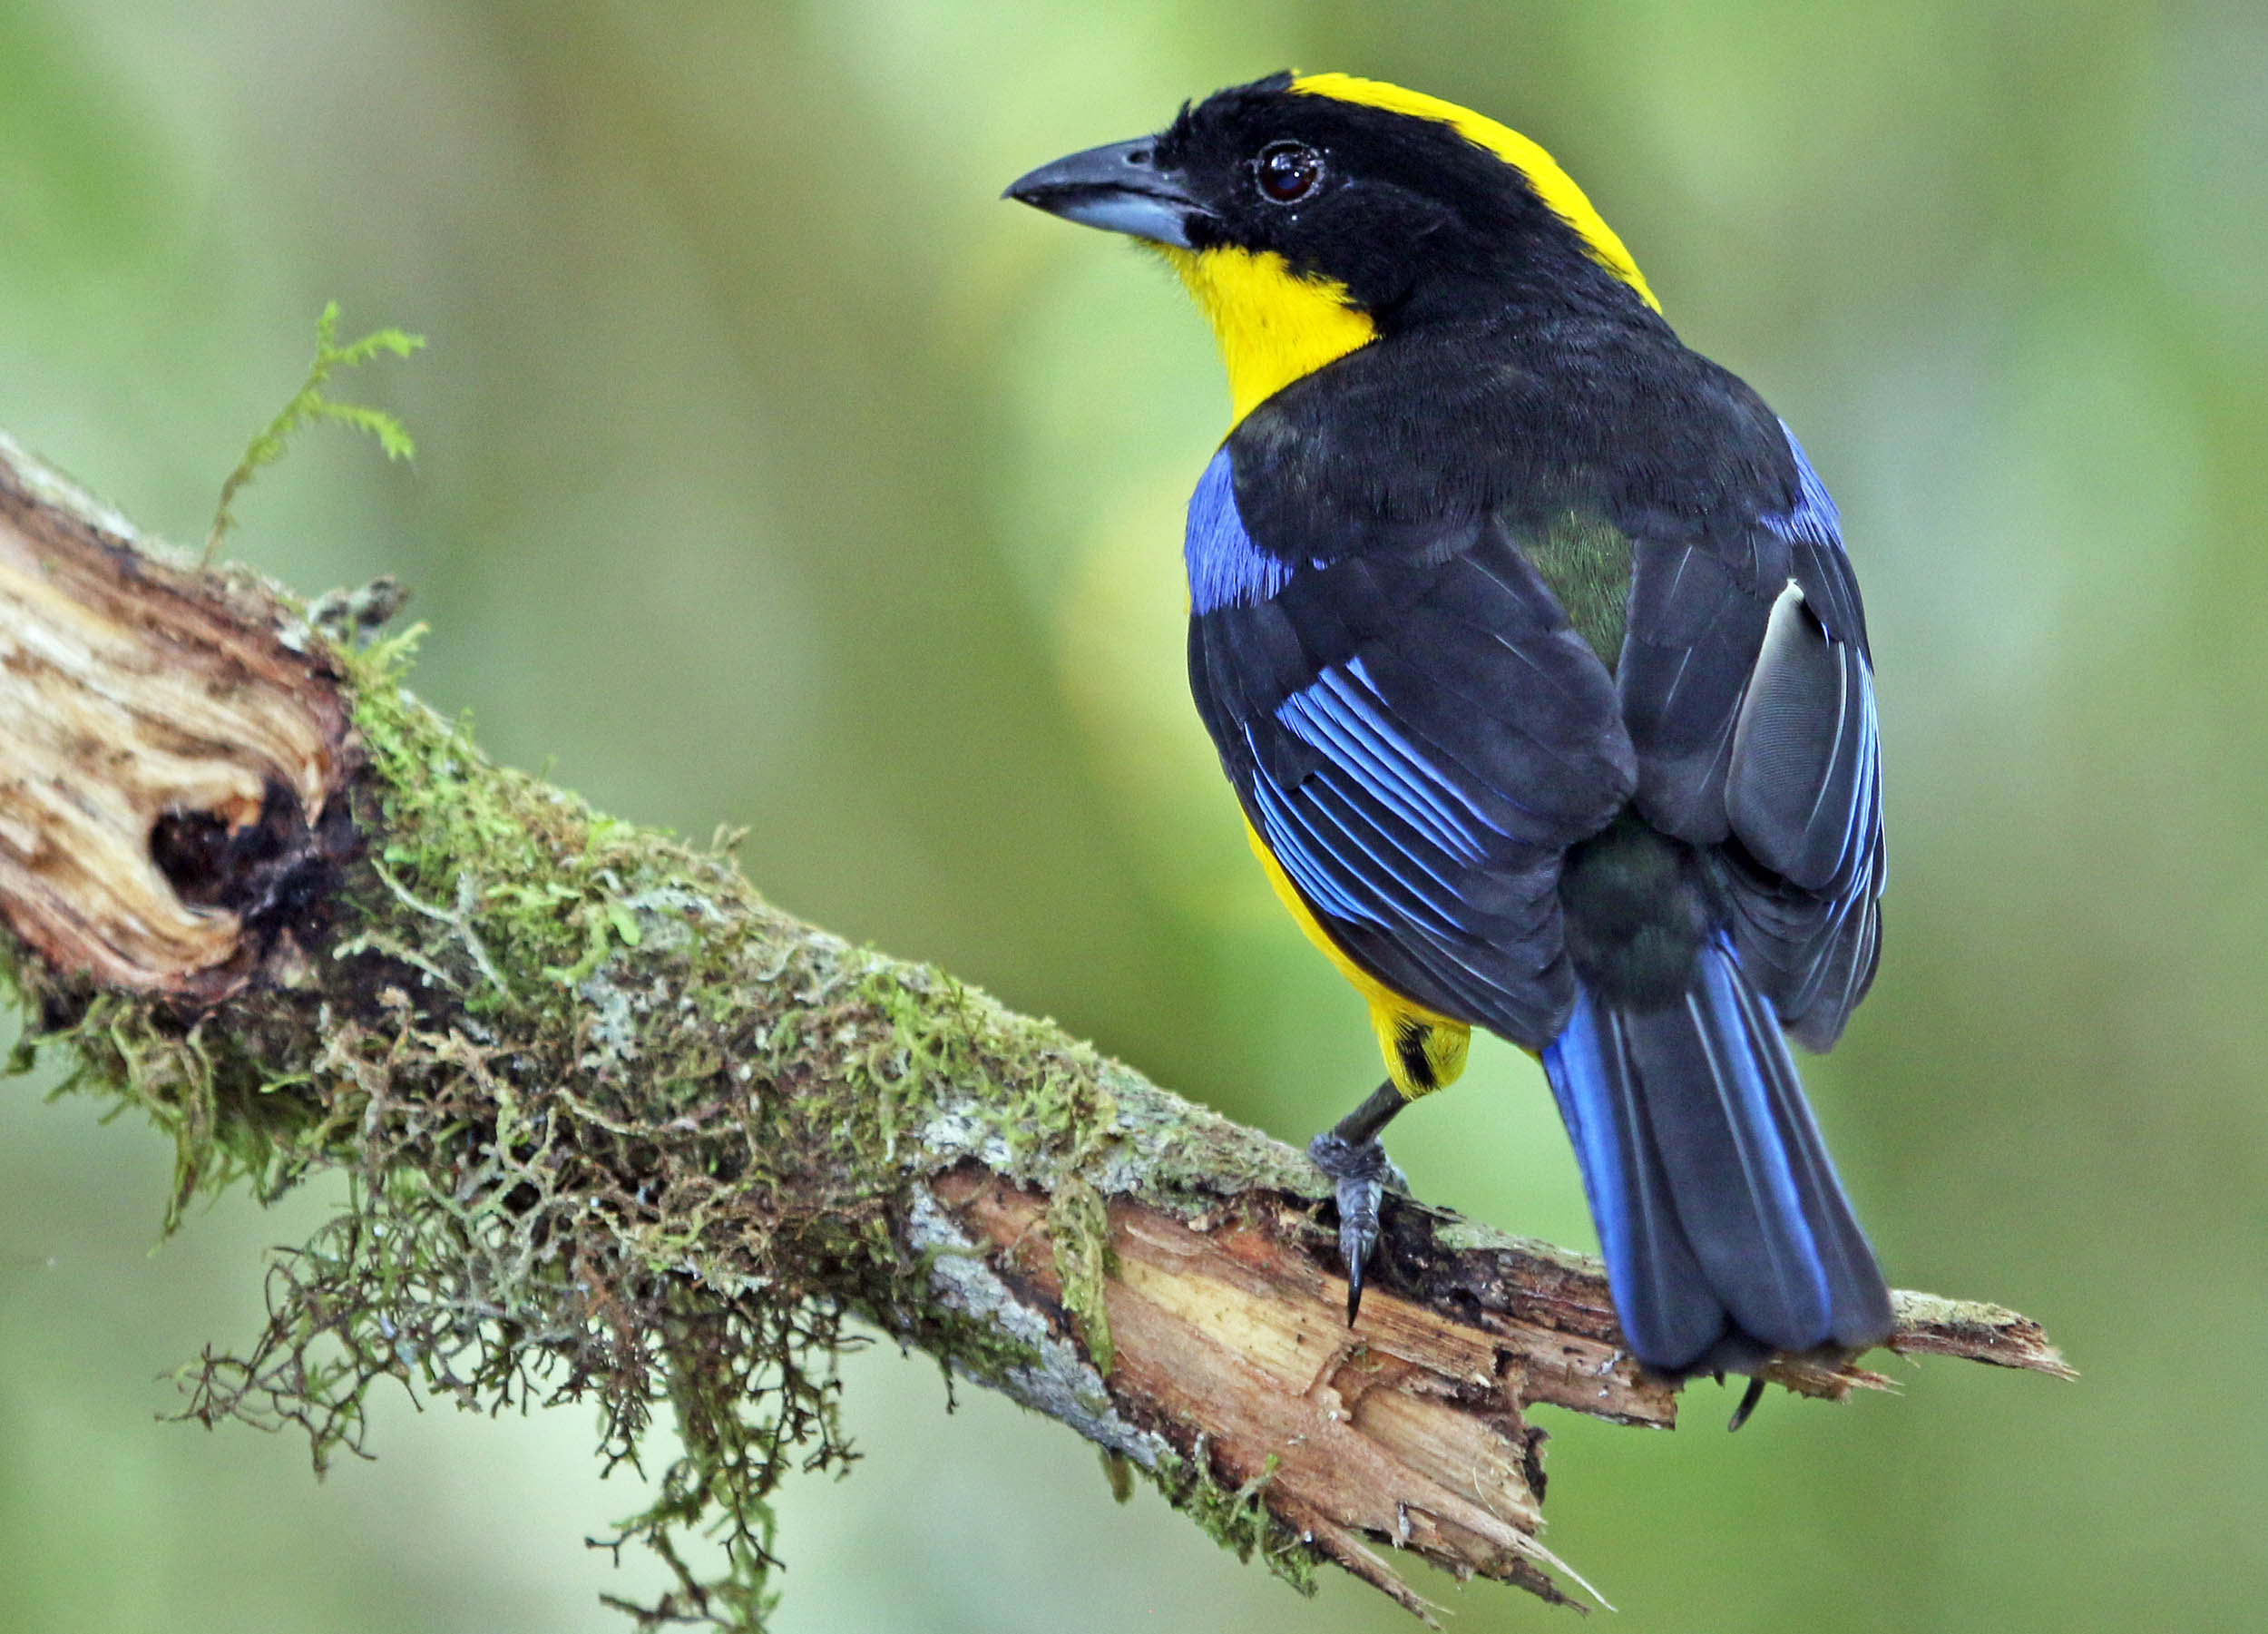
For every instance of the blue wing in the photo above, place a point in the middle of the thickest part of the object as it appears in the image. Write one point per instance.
(1418, 735)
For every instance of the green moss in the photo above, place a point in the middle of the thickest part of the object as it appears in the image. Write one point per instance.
(524, 877)
(1079, 1226)
(1237, 1518)
(1118, 1472)
(234, 1114)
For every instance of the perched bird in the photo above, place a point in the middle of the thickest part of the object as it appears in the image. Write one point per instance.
(1529, 641)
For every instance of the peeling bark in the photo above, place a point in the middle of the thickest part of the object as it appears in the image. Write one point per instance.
(627, 1119)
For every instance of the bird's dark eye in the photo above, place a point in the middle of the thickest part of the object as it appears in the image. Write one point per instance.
(1288, 171)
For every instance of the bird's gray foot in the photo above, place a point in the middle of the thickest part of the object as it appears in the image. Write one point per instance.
(1350, 1154)
(1358, 1175)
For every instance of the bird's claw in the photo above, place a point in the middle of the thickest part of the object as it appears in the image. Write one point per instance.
(1358, 1172)
(1748, 1400)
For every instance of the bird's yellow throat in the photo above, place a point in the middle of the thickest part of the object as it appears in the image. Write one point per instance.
(1275, 325)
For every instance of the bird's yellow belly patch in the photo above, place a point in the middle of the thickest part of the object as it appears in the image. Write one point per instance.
(1424, 1050)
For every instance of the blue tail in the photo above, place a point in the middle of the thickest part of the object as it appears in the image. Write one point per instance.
(1727, 1234)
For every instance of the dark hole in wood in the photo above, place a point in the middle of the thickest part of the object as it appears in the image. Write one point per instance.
(272, 872)
(211, 866)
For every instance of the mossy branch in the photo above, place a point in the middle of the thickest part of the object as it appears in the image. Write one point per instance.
(618, 1131)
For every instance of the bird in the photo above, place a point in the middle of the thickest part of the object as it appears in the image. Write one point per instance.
(1528, 640)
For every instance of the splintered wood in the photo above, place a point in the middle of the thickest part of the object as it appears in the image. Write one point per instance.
(1411, 1429)
(130, 691)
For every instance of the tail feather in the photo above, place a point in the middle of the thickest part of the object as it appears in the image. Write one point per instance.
(1659, 1291)
(1726, 1231)
(1858, 1312)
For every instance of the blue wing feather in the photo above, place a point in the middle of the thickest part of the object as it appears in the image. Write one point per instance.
(1341, 715)
(1226, 568)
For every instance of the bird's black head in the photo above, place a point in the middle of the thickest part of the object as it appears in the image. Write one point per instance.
(1400, 206)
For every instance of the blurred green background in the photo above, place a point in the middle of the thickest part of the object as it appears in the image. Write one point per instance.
(773, 473)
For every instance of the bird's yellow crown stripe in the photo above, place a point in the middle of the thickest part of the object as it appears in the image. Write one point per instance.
(1552, 184)
(1275, 325)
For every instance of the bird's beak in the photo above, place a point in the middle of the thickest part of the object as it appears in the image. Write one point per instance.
(1120, 188)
